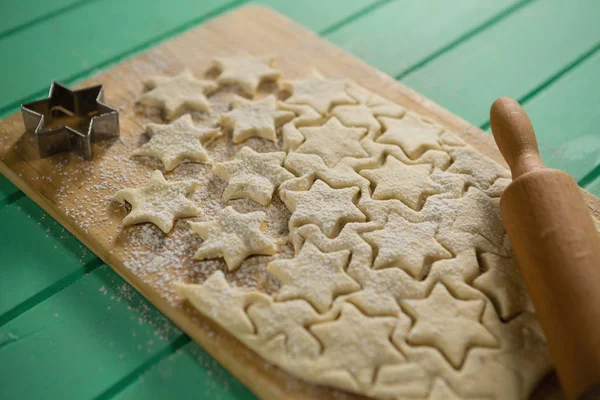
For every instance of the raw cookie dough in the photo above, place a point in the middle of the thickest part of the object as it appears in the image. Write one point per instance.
(386, 269)
(234, 236)
(176, 142)
(159, 202)
(176, 94)
(246, 72)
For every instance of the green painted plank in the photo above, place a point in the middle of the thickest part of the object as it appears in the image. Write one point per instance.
(85, 37)
(190, 373)
(400, 34)
(36, 252)
(319, 15)
(566, 119)
(81, 341)
(511, 58)
(8, 191)
(19, 14)
(86, 43)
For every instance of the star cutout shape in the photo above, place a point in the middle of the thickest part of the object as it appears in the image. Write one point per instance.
(289, 318)
(70, 120)
(411, 133)
(159, 202)
(253, 175)
(396, 180)
(476, 213)
(234, 236)
(449, 324)
(357, 343)
(176, 142)
(314, 276)
(484, 171)
(247, 72)
(323, 206)
(502, 282)
(176, 94)
(370, 106)
(332, 141)
(318, 92)
(255, 118)
(406, 245)
(222, 303)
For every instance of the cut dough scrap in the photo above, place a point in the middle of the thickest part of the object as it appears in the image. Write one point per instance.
(442, 391)
(379, 106)
(224, 304)
(483, 171)
(381, 290)
(405, 245)
(247, 72)
(318, 92)
(305, 115)
(159, 202)
(176, 94)
(176, 142)
(357, 343)
(234, 236)
(370, 106)
(407, 183)
(253, 175)
(289, 318)
(503, 284)
(455, 273)
(449, 324)
(332, 141)
(471, 221)
(323, 206)
(314, 276)
(255, 118)
(412, 133)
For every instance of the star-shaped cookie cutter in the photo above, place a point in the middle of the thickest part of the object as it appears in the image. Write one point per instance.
(70, 120)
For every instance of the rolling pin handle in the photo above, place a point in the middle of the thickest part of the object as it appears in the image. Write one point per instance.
(515, 137)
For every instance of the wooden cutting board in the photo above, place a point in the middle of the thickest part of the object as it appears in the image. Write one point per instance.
(56, 186)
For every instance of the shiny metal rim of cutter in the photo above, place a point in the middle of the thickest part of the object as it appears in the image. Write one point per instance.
(84, 106)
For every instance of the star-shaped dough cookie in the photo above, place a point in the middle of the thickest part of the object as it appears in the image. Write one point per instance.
(247, 72)
(289, 318)
(318, 92)
(253, 175)
(357, 343)
(222, 303)
(178, 93)
(314, 276)
(405, 245)
(502, 282)
(234, 236)
(159, 202)
(396, 180)
(451, 325)
(323, 206)
(411, 133)
(332, 141)
(371, 106)
(255, 118)
(176, 142)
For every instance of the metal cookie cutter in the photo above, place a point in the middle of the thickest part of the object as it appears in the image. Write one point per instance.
(70, 120)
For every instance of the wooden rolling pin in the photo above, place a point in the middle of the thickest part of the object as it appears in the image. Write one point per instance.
(558, 250)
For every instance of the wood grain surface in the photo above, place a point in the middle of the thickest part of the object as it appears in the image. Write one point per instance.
(257, 31)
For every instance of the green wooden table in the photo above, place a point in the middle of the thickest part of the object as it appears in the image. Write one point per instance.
(70, 328)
